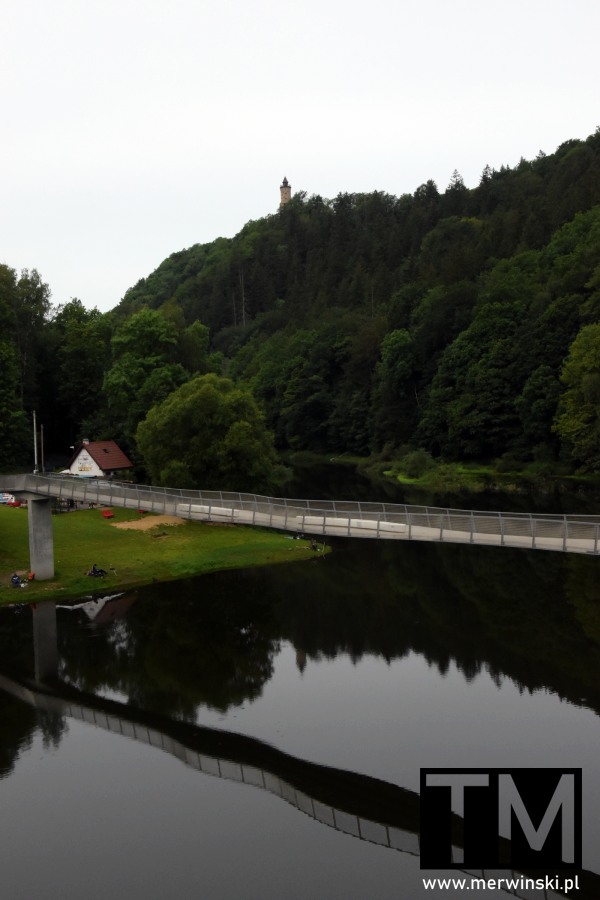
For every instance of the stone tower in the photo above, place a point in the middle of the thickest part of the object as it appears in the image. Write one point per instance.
(286, 193)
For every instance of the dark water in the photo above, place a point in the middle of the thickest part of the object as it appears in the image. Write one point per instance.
(336, 681)
(346, 482)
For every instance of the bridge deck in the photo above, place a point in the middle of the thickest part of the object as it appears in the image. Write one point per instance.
(388, 521)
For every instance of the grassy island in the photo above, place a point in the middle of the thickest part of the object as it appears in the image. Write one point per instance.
(134, 549)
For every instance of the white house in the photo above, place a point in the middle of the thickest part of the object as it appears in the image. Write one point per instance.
(98, 459)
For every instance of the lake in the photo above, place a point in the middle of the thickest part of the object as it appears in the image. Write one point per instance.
(260, 733)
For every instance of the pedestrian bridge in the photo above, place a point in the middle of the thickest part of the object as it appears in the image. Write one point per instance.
(333, 518)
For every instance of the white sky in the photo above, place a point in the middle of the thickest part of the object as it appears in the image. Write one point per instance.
(135, 128)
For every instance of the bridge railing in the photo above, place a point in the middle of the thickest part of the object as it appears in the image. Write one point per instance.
(334, 517)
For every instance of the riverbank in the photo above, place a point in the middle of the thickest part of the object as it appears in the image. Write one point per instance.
(133, 556)
(438, 480)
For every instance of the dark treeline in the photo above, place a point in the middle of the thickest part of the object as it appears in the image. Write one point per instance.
(463, 323)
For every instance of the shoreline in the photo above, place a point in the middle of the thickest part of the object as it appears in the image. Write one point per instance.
(141, 550)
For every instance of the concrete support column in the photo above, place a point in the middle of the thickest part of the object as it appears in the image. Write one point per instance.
(45, 645)
(41, 542)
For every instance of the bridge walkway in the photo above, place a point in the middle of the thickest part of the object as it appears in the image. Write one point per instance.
(333, 518)
(390, 521)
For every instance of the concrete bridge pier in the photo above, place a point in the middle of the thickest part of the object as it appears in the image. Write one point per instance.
(41, 540)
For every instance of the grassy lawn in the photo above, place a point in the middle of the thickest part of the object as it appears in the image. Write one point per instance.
(468, 475)
(131, 557)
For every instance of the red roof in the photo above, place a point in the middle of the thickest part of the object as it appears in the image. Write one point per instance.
(106, 454)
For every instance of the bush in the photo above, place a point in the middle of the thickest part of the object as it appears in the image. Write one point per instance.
(416, 463)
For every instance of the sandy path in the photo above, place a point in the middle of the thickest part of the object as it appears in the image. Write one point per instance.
(149, 522)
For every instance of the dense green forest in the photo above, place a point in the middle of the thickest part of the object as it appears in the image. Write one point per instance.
(458, 325)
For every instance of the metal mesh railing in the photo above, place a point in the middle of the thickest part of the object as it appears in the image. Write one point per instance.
(573, 533)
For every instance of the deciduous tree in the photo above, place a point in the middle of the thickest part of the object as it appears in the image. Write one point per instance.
(578, 419)
(207, 434)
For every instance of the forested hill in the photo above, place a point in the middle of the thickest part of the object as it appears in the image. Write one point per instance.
(358, 250)
(440, 320)
(465, 323)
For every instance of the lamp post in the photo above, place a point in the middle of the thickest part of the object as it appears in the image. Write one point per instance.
(35, 448)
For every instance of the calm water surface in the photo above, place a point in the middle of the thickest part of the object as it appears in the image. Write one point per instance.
(335, 680)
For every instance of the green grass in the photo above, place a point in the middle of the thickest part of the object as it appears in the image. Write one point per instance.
(446, 476)
(163, 553)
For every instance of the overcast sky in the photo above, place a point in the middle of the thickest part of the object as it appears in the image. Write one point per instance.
(135, 128)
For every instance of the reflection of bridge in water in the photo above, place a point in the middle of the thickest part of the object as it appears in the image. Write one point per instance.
(358, 805)
(335, 518)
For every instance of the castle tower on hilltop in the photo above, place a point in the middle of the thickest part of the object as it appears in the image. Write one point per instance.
(286, 193)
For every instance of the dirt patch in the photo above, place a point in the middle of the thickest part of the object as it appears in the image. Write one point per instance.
(149, 522)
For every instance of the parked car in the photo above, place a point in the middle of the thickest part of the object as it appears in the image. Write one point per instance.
(9, 500)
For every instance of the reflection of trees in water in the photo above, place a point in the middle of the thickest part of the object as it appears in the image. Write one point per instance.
(16, 638)
(531, 616)
(506, 611)
(186, 644)
(222, 643)
(53, 728)
(17, 727)
(583, 592)
(211, 641)
(19, 723)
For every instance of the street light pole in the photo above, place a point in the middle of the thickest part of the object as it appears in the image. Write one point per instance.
(35, 452)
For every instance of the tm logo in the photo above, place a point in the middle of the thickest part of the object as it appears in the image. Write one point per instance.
(501, 818)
